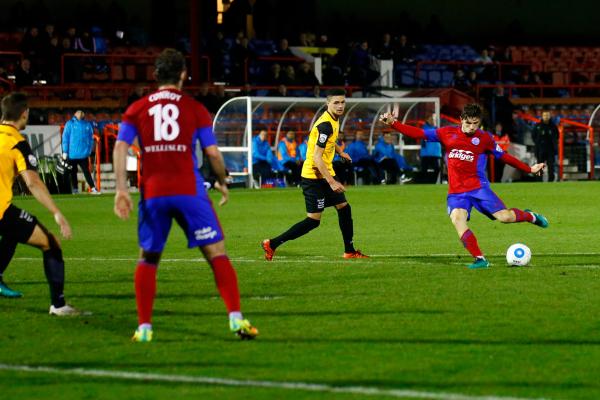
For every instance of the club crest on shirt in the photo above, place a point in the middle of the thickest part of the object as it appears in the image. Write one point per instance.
(32, 160)
(475, 141)
(463, 155)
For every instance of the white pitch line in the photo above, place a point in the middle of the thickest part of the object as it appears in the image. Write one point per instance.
(206, 380)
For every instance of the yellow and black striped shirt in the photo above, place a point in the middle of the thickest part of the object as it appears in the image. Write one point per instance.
(15, 157)
(324, 134)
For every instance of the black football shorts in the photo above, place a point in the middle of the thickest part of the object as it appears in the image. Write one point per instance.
(318, 195)
(17, 224)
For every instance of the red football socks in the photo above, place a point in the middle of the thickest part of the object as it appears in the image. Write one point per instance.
(470, 242)
(145, 290)
(522, 216)
(226, 280)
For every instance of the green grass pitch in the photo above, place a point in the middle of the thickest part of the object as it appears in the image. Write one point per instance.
(410, 322)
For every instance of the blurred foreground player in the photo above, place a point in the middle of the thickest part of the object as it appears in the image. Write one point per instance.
(18, 226)
(466, 149)
(168, 125)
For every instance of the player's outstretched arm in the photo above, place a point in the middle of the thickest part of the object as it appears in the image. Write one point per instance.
(536, 169)
(123, 203)
(410, 131)
(215, 158)
(39, 190)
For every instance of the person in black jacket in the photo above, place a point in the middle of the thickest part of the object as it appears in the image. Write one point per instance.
(545, 137)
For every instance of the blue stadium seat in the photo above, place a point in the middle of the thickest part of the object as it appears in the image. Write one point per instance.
(435, 78)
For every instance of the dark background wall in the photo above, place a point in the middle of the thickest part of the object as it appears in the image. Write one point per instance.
(163, 21)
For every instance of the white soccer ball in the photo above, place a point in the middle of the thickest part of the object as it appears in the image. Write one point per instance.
(518, 255)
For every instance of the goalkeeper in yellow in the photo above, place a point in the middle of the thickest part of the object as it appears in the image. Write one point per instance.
(319, 184)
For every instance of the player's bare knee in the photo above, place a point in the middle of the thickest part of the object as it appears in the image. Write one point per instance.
(315, 216)
(213, 250)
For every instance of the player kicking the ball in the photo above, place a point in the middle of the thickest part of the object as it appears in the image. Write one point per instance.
(168, 124)
(467, 148)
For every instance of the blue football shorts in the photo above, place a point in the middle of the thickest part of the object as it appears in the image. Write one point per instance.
(484, 200)
(194, 214)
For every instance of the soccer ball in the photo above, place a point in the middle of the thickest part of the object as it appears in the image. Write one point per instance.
(518, 255)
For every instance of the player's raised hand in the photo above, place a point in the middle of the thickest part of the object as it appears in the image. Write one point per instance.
(538, 169)
(65, 228)
(387, 118)
(224, 193)
(337, 187)
(123, 204)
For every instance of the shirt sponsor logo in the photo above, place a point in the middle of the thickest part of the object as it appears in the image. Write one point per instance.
(463, 155)
(205, 233)
(475, 141)
(322, 138)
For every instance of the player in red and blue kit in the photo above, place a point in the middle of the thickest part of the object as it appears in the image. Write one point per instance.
(467, 148)
(168, 125)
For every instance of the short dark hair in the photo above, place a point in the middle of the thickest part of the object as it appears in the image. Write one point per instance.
(13, 106)
(472, 110)
(336, 92)
(169, 66)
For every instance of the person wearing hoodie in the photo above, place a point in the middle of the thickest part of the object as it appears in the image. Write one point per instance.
(77, 143)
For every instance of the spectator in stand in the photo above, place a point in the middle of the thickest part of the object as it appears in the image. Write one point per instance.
(221, 96)
(385, 50)
(361, 72)
(460, 81)
(275, 77)
(32, 46)
(281, 91)
(241, 55)
(316, 91)
(262, 156)
(207, 98)
(289, 76)
(342, 167)
(526, 79)
(486, 68)
(306, 76)
(545, 137)
(430, 154)
(53, 58)
(303, 40)
(302, 148)
(405, 51)
(84, 43)
(49, 32)
(289, 158)
(71, 34)
(364, 164)
(77, 145)
(218, 50)
(283, 50)
(23, 75)
(247, 90)
(503, 140)
(506, 55)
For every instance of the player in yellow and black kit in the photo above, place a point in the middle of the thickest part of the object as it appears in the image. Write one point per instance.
(18, 226)
(319, 184)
